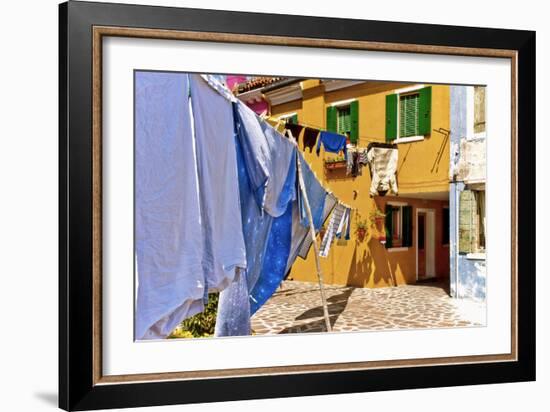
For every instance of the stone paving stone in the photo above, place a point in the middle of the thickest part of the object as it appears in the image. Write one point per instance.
(296, 308)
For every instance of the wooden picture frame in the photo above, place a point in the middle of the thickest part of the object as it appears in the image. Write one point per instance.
(81, 30)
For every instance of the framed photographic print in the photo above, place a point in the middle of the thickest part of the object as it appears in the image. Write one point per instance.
(256, 205)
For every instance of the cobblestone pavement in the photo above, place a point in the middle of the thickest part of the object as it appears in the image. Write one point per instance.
(296, 308)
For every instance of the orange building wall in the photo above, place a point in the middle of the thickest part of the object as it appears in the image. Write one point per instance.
(423, 168)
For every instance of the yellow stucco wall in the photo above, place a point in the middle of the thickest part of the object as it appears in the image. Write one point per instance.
(423, 168)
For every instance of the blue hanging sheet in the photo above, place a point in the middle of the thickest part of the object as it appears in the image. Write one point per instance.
(275, 260)
(332, 142)
(233, 318)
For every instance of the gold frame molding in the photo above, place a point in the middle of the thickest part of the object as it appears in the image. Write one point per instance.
(102, 31)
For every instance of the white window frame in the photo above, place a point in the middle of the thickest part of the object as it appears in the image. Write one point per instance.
(287, 115)
(399, 92)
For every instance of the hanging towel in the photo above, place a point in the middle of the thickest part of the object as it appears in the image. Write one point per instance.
(334, 224)
(309, 138)
(306, 243)
(295, 129)
(343, 228)
(223, 241)
(348, 229)
(332, 142)
(383, 166)
(167, 210)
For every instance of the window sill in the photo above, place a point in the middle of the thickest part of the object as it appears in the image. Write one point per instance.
(476, 256)
(409, 139)
(398, 249)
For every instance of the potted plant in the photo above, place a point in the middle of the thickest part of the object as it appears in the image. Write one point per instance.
(322, 231)
(335, 163)
(377, 218)
(361, 230)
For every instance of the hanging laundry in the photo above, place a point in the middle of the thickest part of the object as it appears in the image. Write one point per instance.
(295, 129)
(344, 226)
(332, 142)
(383, 165)
(274, 262)
(309, 138)
(167, 209)
(233, 316)
(363, 156)
(349, 159)
(223, 242)
(334, 224)
(277, 124)
(348, 229)
(267, 157)
(316, 195)
(330, 203)
(356, 166)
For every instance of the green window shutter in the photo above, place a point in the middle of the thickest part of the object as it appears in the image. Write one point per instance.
(408, 115)
(425, 111)
(467, 222)
(293, 119)
(332, 119)
(389, 231)
(354, 127)
(407, 226)
(391, 117)
(343, 120)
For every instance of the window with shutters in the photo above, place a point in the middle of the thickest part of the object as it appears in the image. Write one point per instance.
(471, 222)
(408, 115)
(343, 118)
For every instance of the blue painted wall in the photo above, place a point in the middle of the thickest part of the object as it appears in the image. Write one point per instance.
(467, 276)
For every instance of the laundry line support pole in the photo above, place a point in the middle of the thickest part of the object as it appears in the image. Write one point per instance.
(315, 245)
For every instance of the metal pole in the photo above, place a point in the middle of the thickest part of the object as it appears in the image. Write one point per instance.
(315, 246)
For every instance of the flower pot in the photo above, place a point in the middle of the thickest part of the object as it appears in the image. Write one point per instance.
(361, 233)
(322, 233)
(379, 222)
(335, 165)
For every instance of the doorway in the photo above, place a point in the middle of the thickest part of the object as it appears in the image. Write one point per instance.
(425, 244)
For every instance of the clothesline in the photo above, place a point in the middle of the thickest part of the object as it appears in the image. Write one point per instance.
(295, 143)
(229, 96)
(363, 139)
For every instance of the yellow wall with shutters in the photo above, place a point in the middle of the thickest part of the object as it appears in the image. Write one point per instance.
(423, 168)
